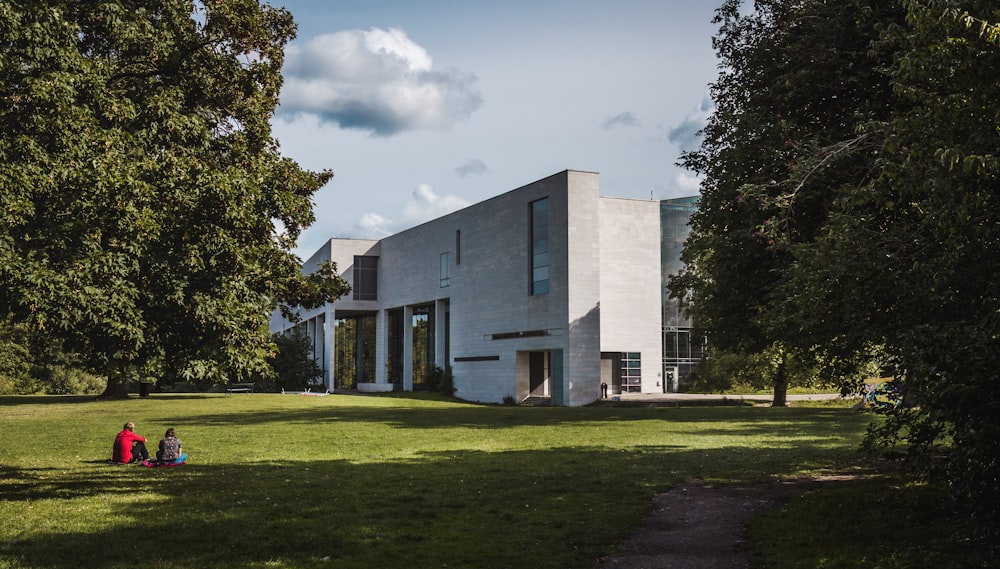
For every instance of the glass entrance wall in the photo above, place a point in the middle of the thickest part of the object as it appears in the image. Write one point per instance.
(631, 372)
(681, 350)
(313, 331)
(354, 342)
(678, 350)
(423, 344)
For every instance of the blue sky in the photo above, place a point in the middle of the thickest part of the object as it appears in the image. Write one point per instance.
(421, 108)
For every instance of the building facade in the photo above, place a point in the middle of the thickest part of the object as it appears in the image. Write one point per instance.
(546, 291)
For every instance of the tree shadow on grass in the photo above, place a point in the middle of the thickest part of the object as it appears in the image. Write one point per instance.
(477, 417)
(15, 400)
(557, 508)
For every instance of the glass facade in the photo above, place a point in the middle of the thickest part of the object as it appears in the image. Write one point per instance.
(681, 352)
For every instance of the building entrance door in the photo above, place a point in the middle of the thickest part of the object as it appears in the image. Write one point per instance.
(538, 374)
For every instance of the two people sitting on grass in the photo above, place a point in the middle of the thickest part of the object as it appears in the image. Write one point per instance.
(129, 446)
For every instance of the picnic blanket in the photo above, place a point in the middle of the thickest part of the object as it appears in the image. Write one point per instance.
(153, 463)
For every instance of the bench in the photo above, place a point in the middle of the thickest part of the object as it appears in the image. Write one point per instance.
(239, 388)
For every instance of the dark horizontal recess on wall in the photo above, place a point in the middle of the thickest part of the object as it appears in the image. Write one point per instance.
(523, 334)
(478, 359)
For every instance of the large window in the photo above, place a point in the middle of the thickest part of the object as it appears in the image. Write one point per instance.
(680, 345)
(354, 338)
(631, 372)
(540, 246)
(365, 278)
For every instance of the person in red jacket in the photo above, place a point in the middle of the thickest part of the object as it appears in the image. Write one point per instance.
(129, 447)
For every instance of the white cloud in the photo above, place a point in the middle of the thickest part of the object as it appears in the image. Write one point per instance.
(378, 80)
(471, 167)
(688, 183)
(424, 205)
(687, 135)
(372, 226)
(621, 119)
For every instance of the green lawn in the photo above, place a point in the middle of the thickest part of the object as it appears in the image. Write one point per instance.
(282, 481)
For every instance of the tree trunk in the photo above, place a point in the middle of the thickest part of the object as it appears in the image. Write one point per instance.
(780, 384)
(117, 387)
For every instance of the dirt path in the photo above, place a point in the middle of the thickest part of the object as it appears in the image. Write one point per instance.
(696, 526)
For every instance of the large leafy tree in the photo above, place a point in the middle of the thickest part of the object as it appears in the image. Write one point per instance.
(912, 256)
(146, 214)
(876, 229)
(796, 79)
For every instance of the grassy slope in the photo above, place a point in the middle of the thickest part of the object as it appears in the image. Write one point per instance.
(350, 482)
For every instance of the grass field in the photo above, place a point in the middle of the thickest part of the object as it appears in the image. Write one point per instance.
(283, 481)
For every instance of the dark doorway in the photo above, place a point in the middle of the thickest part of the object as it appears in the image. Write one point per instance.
(538, 374)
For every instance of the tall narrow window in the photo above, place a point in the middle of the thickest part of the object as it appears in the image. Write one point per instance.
(445, 279)
(540, 246)
(423, 344)
(458, 246)
(365, 278)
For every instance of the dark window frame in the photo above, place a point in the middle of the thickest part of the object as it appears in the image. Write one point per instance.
(539, 249)
(365, 278)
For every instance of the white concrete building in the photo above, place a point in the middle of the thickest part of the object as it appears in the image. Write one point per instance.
(548, 290)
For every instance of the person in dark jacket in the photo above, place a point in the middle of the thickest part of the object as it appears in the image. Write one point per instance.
(170, 448)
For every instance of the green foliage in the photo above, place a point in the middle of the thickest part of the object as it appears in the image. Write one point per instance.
(796, 80)
(146, 214)
(293, 364)
(441, 380)
(923, 234)
(15, 361)
(31, 364)
(850, 210)
(64, 380)
(723, 371)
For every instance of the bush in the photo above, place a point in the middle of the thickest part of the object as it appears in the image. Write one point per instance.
(64, 380)
(15, 362)
(441, 381)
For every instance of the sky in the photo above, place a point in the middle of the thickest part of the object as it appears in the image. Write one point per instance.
(423, 107)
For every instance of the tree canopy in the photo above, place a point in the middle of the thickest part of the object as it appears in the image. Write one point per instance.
(850, 205)
(796, 80)
(147, 216)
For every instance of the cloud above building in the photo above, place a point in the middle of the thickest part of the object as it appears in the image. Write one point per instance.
(687, 134)
(424, 205)
(372, 226)
(379, 81)
(688, 183)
